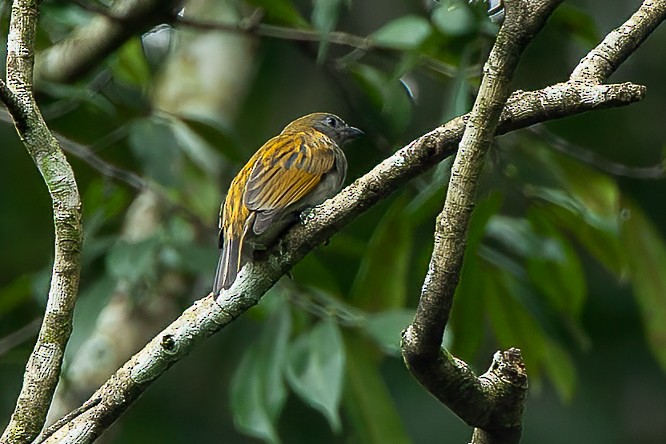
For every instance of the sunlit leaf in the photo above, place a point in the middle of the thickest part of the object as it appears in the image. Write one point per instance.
(316, 367)
(597, 192)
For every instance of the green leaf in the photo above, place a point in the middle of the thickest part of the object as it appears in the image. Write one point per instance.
(196, 148)
(403, 33)
(311, 271)
(315, 369)
(645, 250)
(461, 99)
(466, 321)
(511, 323)
(78, 94)
(600, 236)
(132, 262)
(281, 12)
(367, 399)
(381, 282)
(199, 192)
(130, 65)
(454, 18)
(214, 133)
(515, 327)
(387, 95)
(152, 141)
(573, 21)
(560, 370)
(386, 328)
(517, 235)
(596, 192)
(561, 277)
(90, 302)
(325, 14)
(16, 293)
(258, 392)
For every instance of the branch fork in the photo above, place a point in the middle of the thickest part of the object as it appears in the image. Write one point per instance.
(487, 394)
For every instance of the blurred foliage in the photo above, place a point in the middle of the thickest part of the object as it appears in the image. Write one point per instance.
(565, 260)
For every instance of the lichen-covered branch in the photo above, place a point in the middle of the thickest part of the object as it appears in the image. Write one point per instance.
(207, 316)
(449, 379)
(43, 367)
(493, 405)
(74, 57)
(619, 44)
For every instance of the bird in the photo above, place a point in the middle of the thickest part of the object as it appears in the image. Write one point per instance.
(299, 168)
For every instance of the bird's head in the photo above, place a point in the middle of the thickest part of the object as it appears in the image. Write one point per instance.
(328, 124)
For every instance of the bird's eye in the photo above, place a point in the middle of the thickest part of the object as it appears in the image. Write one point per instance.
(332, 122)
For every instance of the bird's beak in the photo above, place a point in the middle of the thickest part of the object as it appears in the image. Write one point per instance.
(351, 133)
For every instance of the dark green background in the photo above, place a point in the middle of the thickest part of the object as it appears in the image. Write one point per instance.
(613, 391)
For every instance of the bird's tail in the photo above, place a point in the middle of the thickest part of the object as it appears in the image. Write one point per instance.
(228, 265)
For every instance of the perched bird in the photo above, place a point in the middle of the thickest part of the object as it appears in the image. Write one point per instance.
(299, 168)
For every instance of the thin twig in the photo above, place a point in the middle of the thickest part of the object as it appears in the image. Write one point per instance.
(595, 160)
(107, 169)
(20, 336)
(253, 26)
(50, 430)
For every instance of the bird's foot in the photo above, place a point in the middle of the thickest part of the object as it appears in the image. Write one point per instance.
(307, 215)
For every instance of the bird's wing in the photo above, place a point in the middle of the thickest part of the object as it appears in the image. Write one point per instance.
(289, 167)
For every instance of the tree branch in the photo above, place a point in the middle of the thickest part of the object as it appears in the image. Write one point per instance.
(43, 367)
(252, 26)
(618, 45)
(494, 402)
(74, 57)
(207, 316)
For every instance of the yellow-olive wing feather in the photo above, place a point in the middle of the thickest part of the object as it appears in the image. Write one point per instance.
(292, 166)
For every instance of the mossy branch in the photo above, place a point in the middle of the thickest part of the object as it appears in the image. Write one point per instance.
(43, 367)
